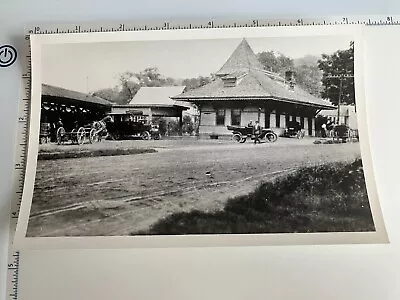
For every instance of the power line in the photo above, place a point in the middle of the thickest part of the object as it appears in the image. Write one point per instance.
(341, 78)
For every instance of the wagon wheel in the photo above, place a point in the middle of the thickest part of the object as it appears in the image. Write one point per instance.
(300, 134)
(145, 135)
(103, 134)
(237, 138)
(73, 136)
(157, 136)
(93, 136)
(115, 136)
(44, 140)
(60, 135)
(80, 136)
(271, 137)
(242, 140)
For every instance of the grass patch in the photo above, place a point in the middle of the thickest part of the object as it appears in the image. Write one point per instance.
(326, 198)
(91, 153)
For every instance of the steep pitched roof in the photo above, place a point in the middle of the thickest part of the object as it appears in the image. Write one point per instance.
(242, 59)
(252, 82)
(158, 96)
(55, 91)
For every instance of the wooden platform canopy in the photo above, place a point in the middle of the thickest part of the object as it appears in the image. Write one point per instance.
(71, 106)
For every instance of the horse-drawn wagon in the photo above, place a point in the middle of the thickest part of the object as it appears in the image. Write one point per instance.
(93, 132)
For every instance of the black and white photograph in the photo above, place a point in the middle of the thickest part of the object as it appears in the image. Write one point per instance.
(219, 136)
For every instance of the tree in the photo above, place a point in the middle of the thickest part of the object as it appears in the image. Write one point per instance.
(194, 83)
(130, 83)
(129, 86)
(107, 94)
(339, 63)
(173, 127)
(307, 75)
(187, 125)
(277, 63)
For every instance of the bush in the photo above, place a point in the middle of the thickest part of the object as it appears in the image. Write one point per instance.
(331, 197)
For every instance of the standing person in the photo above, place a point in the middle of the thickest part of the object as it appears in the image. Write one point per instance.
(329, 127)
(59, 123)
(324, 130)
(257, 132)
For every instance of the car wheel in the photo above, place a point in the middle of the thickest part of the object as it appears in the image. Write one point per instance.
(271, 137)
(116, 136)
(145, 135)
(237, 137)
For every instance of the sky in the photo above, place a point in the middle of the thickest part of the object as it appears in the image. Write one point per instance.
(92, 66)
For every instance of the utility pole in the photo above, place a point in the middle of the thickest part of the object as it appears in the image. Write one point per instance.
(340, 99)
(341, 78)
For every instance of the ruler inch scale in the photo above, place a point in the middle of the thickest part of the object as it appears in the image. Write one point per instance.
(20, 158)
(25, 99)
(212, 24)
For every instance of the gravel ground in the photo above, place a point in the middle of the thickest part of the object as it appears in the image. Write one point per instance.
(118, 195)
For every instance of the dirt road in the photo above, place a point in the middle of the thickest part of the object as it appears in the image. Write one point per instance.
(122, 194)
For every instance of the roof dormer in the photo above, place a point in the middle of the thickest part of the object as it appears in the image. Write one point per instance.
(233, 79)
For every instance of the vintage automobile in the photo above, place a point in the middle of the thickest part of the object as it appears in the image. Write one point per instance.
(294, 129)
(343, 133)
(240, 134)
(131, 124)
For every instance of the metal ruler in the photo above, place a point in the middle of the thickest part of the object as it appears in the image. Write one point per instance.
(204, 24)
(24, 102)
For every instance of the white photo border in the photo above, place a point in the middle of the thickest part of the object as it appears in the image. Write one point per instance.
(22, 242)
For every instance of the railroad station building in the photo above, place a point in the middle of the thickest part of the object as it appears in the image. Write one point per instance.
(156, 102)
(243, 90)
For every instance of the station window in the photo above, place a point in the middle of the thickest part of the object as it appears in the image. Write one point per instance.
(220, 117)
(236, 117)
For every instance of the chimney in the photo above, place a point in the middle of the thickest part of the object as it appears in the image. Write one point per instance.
(289, 79)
